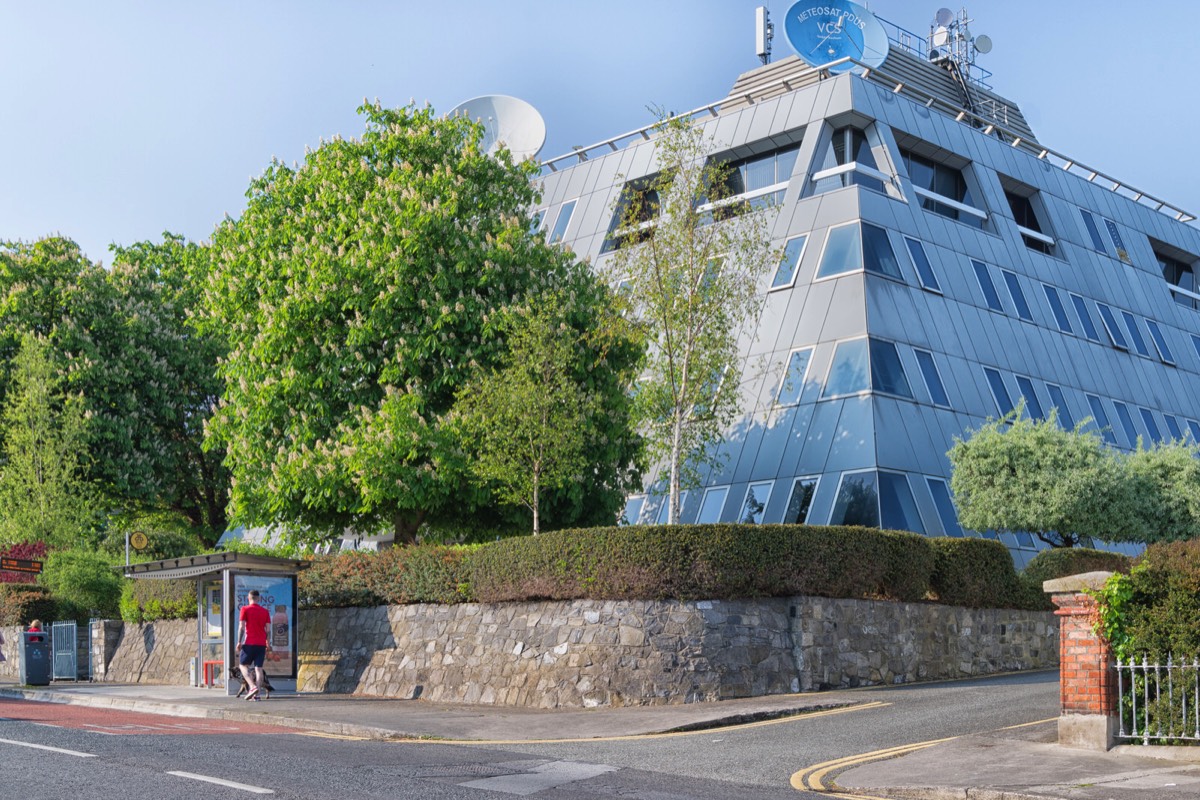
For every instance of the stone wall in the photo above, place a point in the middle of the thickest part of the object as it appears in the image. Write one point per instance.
(590, 653)
(593, 653)
(9, 668)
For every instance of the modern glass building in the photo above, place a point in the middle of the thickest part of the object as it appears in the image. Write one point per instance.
(940, 264)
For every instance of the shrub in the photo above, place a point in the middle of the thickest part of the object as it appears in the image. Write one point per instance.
(21, 603)
(1058, 562)
(398, 575)
(83, 582)
(697, 561)
(978, 573)
(150, 600)
(1163, 611)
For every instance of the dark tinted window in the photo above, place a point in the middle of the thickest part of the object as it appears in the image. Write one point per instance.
(933, 381)
(1003, 402)
(897, 509)
(921, 263)
(1056, 307)
(1085, 318)
(989, 288)
(1018, 296)
(1059, 401)
(1101, 419)
(944, 506)
(887, 373)
(857, 501)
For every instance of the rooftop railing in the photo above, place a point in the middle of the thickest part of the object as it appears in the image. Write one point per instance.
(993, 124)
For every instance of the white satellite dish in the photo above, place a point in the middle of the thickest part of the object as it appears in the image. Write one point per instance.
(508, 121)
(943, 16)
(983, 43)
(941, 36)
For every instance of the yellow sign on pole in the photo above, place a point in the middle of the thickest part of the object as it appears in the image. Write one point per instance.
(139, 540)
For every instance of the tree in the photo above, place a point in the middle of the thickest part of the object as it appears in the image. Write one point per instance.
(44, 495)
(1018, 474)
(690, 271)
(528, 419)
(359, 292)
(1166, 489)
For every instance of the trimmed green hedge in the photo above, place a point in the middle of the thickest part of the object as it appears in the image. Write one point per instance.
(1162, 615)
(150, 600)
(396, 576)
(1059, 562)
(697, 561)
(978, 573)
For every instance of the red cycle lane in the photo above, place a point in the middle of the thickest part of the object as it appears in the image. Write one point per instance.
(114, 722)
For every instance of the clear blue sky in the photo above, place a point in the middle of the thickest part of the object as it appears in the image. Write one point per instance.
(119, 120)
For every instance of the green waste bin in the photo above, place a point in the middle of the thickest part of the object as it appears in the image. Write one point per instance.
(36, 666)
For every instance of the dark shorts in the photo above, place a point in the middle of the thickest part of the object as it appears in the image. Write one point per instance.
(253, 655)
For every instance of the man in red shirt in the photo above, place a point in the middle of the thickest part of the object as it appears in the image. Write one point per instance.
(253, 621)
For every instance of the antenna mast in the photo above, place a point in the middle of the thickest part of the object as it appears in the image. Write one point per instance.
(764, 32)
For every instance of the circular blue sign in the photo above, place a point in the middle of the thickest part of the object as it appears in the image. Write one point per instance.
(821, 31)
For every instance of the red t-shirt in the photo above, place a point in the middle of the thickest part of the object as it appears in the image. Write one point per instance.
(257, 619)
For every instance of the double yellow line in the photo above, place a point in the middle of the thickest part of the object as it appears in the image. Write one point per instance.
(812, 779)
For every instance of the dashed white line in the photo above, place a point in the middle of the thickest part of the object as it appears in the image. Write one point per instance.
(207, 779)
(51, 749)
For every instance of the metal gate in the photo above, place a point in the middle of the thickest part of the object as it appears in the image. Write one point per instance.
(65, 648)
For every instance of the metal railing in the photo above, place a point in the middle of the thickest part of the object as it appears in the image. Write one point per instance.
(1159, 703)
(992, 122)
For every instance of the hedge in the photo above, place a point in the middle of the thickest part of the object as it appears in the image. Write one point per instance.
(1058, 562)
(150, 600)
(396, 576)
(978, 573)
(696, 561)
(1163, 612)
(21, 603)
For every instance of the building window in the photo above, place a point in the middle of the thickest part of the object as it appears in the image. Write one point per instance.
(944, 506)
(1101, 419)
(857, 501)
(1196, 343)
(942, 189)
(1033, 407)
(792, 385)
(1160, 342)
(1110, 326)
(1194, 429)
(920, 261)
(1018, 296)
(1115, 234)
(985, 284)
(1151, 425)
(1180, 277)
(563, 222)
(754, 182)
(1126, 420)
(897, 508)
(999, 393)
(789, 265)
(1135, 334)
(848, 161)
(1085, 318)
(887, 373)
(535, 222)
(933, 379)
(664, 511)
(634, 215)
(633, 509)
(849, 249)
(855, 359)
(1173, 428)
(1022, 201)
(1056, 308)
(712, 504)
(1059, 402)
(800, 501)
(755, 504)
(1089, 222)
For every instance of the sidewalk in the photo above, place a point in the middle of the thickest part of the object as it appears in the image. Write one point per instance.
(1008, 765)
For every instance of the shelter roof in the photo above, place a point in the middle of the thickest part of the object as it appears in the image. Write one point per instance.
(211, 564)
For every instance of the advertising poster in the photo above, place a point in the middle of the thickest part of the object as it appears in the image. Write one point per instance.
(212, 609)
(275, 595)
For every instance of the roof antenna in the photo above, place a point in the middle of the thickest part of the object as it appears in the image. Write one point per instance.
(764, 32)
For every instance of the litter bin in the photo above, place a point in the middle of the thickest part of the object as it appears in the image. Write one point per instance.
(35, 658)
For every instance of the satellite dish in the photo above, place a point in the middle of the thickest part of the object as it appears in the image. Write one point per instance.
(941, 36)
(507, 121)
(983, 44)
(943, 17)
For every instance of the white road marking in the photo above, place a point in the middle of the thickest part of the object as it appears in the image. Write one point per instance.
(547, 776)
(51, 749)
(243, 786)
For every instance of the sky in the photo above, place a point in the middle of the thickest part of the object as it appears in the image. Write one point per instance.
(121, 120)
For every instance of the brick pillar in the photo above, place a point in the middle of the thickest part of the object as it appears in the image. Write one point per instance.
(1087, 678)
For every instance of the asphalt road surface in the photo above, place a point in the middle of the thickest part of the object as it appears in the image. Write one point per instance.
(52, 752)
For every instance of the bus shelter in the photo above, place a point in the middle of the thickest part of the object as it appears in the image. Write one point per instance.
(223, 583)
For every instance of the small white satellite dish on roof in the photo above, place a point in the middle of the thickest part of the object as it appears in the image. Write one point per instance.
(941, 36)
(943, 16)
(508, 121)
(983, 43)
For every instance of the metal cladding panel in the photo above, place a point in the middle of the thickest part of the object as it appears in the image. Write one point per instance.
(847, 316)
(819, 437)
(793, 428)
(853, 445)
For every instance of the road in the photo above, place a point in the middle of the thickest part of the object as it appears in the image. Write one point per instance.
(50, 752)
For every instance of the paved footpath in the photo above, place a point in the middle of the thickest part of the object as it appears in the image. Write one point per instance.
(1013, 764)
